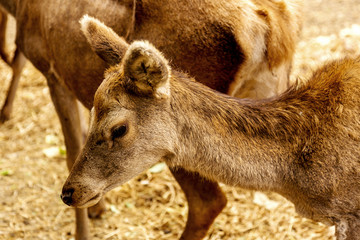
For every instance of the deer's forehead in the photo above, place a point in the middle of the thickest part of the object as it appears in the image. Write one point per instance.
(110, 101)
(111, 90)
(108, 107)
(113, 80)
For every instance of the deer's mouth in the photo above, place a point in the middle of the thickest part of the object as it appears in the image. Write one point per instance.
(90, 202)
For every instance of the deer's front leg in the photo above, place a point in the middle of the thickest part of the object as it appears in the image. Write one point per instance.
(66, 107)
(205, 199)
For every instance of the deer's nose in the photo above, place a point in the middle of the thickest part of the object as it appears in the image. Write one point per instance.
(66, 196)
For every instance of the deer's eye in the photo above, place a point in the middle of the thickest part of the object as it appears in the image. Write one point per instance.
(119, 132)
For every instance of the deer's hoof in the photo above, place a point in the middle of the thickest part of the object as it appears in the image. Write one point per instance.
(4, 116)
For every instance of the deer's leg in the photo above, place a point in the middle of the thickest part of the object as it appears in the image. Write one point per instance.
(205, 199)
(66, 107)
(3, 23)
(99, 208)
(17, 65)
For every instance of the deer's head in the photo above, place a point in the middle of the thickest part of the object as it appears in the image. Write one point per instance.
(130, 126)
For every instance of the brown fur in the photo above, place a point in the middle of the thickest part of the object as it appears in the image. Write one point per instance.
(303, 144)
(223, 43)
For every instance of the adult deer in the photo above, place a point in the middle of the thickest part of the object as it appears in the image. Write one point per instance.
(16, 63)
(303, 144)
(237, 47)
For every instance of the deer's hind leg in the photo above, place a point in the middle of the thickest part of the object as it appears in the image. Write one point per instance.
(17, 65)
(3, 25)
(205, 199)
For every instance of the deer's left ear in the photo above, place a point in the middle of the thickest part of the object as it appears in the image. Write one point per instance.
(147, 69)
(103, 40)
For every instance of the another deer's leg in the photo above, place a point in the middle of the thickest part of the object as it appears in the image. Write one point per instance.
(17, 65)
(205, 199)
(3, 24)
(96, 210)
(64, 102)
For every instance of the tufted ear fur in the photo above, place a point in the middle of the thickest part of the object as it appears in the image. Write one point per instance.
(103, 40)
(147, 69)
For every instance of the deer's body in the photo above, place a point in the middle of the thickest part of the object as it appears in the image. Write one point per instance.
(303, 144)
(242, 48)
(242, 43)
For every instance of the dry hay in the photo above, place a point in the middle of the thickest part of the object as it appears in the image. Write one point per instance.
(152, 206)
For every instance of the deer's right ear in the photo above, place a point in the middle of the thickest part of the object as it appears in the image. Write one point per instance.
(103, 40)
(147, 69)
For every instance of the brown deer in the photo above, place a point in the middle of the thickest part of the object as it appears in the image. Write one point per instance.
(243, 48)
(303, 144)
(16, 63)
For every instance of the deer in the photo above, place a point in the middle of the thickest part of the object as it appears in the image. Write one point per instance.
(243, 48)
(16, 63)
(303, 144)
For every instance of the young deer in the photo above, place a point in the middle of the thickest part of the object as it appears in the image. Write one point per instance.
(243, 48)
(303, 144)
(17, 63)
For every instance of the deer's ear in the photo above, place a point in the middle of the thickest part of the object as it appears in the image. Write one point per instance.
(103, 40)
(147, 69)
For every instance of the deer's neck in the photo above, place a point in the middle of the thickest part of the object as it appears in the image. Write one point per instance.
(237, 141)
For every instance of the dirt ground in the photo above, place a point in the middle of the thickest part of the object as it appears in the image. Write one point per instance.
(152, 206)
